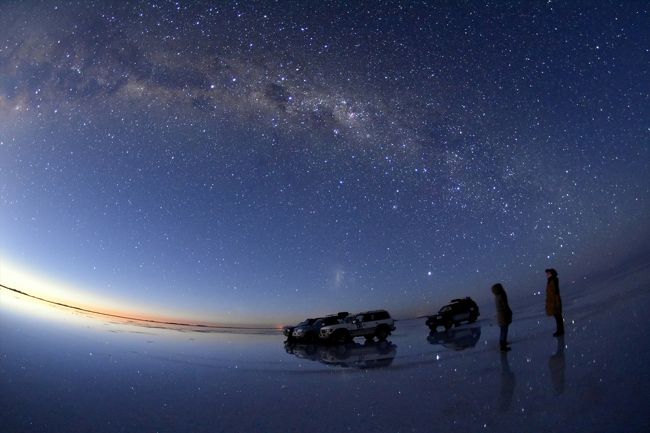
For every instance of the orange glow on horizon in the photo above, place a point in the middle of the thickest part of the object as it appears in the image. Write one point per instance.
(52, 293)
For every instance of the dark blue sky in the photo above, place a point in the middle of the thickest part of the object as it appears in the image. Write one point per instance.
(258, 162)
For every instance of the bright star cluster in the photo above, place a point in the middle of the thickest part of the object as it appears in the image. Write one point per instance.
(255, 162)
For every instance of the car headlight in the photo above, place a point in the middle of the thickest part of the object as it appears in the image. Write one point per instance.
(298, 332)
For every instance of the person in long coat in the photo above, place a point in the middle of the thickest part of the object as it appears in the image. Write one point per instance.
(504, 315)
(554, 301)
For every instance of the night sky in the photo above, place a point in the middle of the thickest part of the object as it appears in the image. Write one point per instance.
(261, 162)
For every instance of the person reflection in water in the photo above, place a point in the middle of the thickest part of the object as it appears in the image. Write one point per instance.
(553, 301)
(507, 384)
(504, 315)
(556, 365)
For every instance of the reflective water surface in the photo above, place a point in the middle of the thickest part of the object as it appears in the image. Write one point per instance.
(74, 373)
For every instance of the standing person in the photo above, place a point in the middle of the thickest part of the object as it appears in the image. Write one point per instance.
(553, 301)
(504, 315)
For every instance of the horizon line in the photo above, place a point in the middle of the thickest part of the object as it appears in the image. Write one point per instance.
(118, 316)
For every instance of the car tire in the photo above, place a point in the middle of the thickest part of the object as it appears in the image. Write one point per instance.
(448, 325)
(341, 336)
(381, 333)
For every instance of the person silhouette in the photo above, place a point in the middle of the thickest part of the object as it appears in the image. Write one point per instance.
(504, 315)
(554, 301)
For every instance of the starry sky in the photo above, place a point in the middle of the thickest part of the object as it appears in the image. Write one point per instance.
(265, 161)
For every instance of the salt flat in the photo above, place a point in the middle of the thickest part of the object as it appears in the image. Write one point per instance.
(72, 373)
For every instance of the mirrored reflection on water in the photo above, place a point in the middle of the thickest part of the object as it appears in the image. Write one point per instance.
(506, 384)
(78, 373)
(369, 354)
(456, 338)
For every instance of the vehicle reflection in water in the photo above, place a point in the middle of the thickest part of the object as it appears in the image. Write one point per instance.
(370, 354)
(456, 338)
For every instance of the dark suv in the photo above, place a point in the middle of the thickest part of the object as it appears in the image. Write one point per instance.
(288, 330)
(307, 330)
(454, 313)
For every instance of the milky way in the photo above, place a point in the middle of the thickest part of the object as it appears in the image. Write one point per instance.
(258, 161)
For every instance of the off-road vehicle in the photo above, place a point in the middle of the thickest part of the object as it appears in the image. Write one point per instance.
(369, 324)
(454, 313)
(288, 330)
(308, 332)
(308, 329)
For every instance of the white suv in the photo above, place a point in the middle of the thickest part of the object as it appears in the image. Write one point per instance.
(369, 324)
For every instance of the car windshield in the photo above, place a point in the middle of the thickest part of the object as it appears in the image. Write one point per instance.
(327, 321)
(445, 309)
(305, 322)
